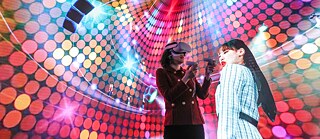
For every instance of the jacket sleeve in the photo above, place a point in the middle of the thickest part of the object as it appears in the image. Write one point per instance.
(202, 91)
(169, 91)
(231, 83)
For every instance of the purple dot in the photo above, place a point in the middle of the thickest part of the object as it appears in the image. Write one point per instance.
(279, 131)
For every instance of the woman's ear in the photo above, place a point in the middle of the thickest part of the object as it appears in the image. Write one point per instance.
(241, 52)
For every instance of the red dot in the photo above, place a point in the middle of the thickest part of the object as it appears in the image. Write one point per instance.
(103, 127)
(41, 126)
(294, 130)
(277, 18)
(90, 112)
(31, 87)
(30, 67)
(96, 125)
(48, 111)
(87, 123)
(111, 129)
(21, 135)
(17, 58)
(78, 121)
(6, 48)
(287, 118)
(55, 98)
(6, 72)
(53, 128)
(311, 129)
(294, 18)
(282, 106)
(75, 132)
(36, 106)
(64, 131)
(44, 93)
(5, 134)
(296, 103)
(315, 112)
(303, 115)
(28, 123)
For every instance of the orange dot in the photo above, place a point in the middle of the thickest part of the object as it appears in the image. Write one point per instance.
(271, 43)
(12, 119)
(12, 24)
(11, 4)
(8, 95)
(84, 134)
(6, 47)
(19, 80)
(41, 75)
(281, 37)
(22, 102)
(274, 30)
(49, 63)
(51, 81)
(28, 123)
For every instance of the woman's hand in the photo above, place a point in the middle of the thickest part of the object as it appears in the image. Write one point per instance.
(209, 70)
(190, 73)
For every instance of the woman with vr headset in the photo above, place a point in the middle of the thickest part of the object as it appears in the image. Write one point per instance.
(180, 89)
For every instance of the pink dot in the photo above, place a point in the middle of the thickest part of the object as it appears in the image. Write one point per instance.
(279, 131)
(41, 37)
(29, 46)
(40, 55)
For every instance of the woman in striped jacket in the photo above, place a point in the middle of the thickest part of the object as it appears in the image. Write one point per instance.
(241, 90)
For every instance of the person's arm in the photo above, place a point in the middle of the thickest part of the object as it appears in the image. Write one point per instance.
(169, 92)
(231, 84)
(202, 91)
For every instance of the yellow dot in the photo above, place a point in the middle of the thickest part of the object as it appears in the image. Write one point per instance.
(180, 29)
(303, 63)
(93, 135)
(98, 49)
(84, 134)
(98, 60)
(315, 58)
(66, 45)
(87, 63)
(296, 54)
(86, 50)
(22, 102)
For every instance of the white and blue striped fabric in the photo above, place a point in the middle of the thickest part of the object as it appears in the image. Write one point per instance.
(237, 92)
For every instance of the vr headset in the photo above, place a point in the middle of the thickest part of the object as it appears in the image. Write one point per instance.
(178, 48)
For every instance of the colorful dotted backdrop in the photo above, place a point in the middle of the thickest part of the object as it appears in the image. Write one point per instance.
(99, 82)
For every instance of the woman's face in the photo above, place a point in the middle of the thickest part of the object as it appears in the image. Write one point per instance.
(178, 58)
(231, 56)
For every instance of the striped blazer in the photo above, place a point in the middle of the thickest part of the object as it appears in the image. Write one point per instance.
(237, 92)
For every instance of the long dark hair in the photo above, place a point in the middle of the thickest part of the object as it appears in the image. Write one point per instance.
(166, 58)
(265, 95)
